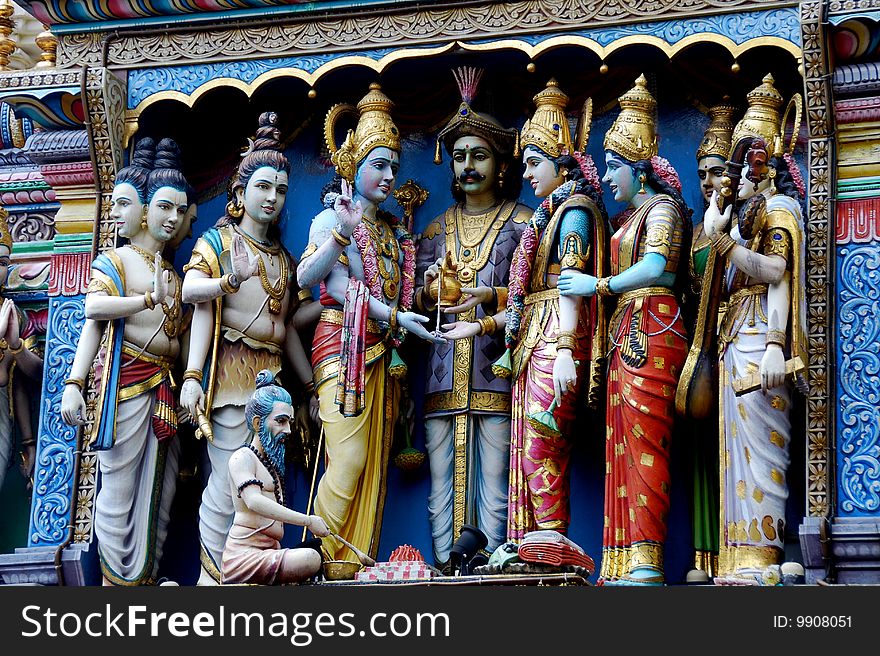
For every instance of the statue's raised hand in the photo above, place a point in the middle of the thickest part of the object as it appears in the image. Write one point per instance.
(348, 212)
(714, 222)
(243, 264)
(161, 281)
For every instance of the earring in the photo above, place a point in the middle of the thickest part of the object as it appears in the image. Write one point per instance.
(144, 219)
(234, 210)
(642, 179)
(500, 179)
(456, 185)
(772, 175)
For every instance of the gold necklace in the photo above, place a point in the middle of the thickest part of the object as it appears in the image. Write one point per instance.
(472, 255)
(171, 312)
(277, 291)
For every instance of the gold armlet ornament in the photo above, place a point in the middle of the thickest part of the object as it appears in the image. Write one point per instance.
(304, 295)
(566, 340)
(603, 287)
(229, 283)
(310, 387)
(148, 300)
(487, 325)
(723, 245)
(16, 351)
(775, 337)
(79, 382)
(27, 443)
(341, 239)
(194, 374)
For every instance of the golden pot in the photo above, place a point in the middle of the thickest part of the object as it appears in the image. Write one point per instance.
(446, 285)
(341, 570)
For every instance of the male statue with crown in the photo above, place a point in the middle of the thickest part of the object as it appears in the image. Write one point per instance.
(364, 260)
(467, 408)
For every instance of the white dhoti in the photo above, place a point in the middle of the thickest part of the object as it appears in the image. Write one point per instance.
(133, 506)
(755, 437)
(216, 510)
(488, 463)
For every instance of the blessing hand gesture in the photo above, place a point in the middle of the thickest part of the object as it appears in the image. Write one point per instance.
(348, 212)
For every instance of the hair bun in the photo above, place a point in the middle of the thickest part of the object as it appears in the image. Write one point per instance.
(167, 155)
(265, 379)
(144, 154)
(268, 135)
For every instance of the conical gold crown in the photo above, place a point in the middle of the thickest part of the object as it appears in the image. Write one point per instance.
(548, 129)
(762, 117)
(633, 134)
(717, 138)
(375, 129)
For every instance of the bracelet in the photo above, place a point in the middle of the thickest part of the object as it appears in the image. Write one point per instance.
(566, 340)
(775, 337)
(487, 325)
(603, 287)
(392, 318)
(79, 382)
(309, 387)
(148, 300)
(229, 283)
(341, 239)
(723, 244)
(193, 374)
(28, 442)
(16, 351)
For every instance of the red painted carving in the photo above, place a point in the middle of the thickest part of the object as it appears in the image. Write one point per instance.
(70, 274)
(858, 221)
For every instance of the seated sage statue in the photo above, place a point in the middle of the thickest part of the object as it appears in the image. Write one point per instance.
(253, 552)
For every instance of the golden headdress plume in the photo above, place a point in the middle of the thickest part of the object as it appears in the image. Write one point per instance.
(466, 121)
(762, 118)
(375, 129)
(548, 127)
(717, 138)
(5, 235)
(633, 134)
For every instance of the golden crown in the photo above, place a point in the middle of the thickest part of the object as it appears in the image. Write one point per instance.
(375, 129)
(633, 134)
(548, 130)
(717, 138)
(762, 117)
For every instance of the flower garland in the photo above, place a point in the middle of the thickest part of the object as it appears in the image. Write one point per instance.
(795, 174)
(523, 257)
(666, 172)
(371, 269)
(588, 168)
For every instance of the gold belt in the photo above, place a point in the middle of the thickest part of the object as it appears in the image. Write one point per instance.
(745, 292)
(643, 292)
(163, 361)
(334, 316)
(546, 295)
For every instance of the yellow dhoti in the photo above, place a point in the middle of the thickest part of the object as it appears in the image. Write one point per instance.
(351, 493)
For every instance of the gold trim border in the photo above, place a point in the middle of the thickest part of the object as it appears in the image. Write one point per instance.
(820, 262)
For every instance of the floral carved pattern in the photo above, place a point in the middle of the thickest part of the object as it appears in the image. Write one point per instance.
(419, 25)
(54, 469)
(859, 379)
(820, 423)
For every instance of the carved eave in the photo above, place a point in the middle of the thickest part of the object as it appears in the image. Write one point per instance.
(51, 99)
(843, 10)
